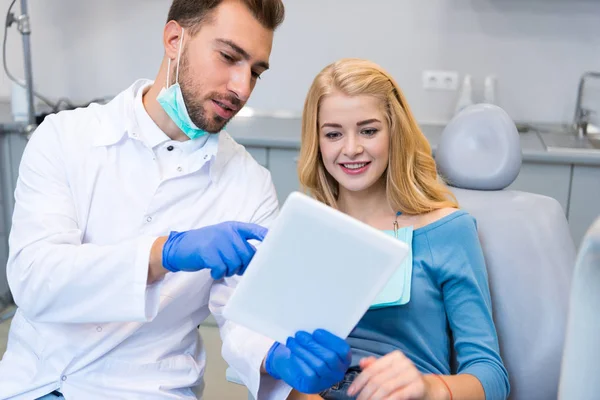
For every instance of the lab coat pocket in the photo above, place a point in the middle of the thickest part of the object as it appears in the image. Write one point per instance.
(175, 372)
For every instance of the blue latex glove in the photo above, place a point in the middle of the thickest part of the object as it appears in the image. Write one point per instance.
(309, 363)
(223, 248)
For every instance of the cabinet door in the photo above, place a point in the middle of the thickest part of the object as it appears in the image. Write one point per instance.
(551, 180)
(12, 145)
(283, 166)
(3, 250)
(259, 154)
(584, 206)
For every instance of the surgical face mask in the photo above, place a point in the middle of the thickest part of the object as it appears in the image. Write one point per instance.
(171, 100)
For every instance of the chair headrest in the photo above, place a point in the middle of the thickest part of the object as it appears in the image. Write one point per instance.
(480, 149)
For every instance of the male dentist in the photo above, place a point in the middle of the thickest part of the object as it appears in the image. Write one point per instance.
(134, 220)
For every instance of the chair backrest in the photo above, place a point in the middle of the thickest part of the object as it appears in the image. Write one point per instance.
(579, 374)
(526, 242)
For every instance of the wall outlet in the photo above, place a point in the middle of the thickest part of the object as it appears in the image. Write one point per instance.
(440, 80)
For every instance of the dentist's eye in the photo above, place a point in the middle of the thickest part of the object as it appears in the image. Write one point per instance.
(227, 57)
(332, 135)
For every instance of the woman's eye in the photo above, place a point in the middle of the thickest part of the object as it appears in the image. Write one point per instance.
(332, 135)
(369, 131)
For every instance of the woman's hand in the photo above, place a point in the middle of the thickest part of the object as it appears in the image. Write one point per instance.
(392, 377)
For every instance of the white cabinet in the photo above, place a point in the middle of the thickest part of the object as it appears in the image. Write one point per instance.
(260, 154)
(3, 252)
(551, 180)
(12, 145)
(584, 206)
(283, 165)
(3, 215)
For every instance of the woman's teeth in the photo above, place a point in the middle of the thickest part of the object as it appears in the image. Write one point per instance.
(354, 166)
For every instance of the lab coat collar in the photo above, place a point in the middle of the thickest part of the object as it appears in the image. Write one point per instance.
(117, 117)
(226, 148)
(118, 122)
(146, 128)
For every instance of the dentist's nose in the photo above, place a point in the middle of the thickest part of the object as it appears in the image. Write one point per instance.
(240, 83)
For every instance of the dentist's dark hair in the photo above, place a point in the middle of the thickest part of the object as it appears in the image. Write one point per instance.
(191, 14)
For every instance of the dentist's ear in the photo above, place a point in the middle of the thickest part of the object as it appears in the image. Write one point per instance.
(172, 35)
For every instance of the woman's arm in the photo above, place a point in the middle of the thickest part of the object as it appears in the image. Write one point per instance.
(461, 274)
(462, 386)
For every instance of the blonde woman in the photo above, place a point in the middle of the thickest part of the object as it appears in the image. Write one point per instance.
(363, 153)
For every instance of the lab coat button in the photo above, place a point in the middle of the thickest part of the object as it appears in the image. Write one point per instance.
(63, 378)
(170, 148)
(149, 219)
(99, 329)
(179, 169)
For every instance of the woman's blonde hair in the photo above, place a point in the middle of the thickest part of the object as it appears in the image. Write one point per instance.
(412, 182)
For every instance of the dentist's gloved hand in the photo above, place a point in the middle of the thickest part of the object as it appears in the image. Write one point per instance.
(223, 248)
(309, 363)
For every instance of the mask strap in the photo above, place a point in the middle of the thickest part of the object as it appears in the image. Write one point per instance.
(169, 63)
(168, 73)
(179, 56)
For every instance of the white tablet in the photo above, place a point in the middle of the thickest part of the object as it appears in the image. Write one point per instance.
(316, 268)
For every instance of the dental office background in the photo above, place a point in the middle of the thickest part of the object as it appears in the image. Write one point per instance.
(536, 50)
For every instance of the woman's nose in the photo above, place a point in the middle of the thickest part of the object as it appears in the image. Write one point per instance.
(352, 147)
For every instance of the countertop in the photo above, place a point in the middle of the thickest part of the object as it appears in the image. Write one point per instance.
(284, 133)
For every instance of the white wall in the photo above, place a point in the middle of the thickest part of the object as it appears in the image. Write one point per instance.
(536, 48)
(88, 49)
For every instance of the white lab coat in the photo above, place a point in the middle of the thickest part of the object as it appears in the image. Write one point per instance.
(90, 202)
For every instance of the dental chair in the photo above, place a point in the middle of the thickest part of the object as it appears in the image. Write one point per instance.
(579, 374)
(526, 242)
